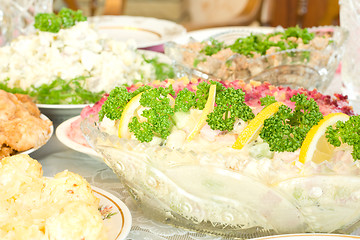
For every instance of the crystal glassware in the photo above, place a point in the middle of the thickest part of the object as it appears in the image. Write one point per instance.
(309, 68)
(17, 17)
(195, 191)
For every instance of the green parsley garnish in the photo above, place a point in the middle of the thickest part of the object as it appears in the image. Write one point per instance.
(58, 91)
(229, 107)
(287, 129)
(50, 22)
(159, 115)
(162, 70)
(346, 132)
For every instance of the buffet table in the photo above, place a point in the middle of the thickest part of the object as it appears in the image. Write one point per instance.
(56, 157)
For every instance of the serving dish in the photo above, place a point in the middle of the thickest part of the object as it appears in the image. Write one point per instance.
(62, 133)
(186, 189)
(146, 31)
(314, 67)
(213, 188)
(119, 223)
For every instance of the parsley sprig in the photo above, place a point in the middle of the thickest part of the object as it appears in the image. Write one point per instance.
(51, 22)
(346, 132)
(287, 129)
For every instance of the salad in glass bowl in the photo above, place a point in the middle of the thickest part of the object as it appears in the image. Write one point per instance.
(232, 158)
(284, 55)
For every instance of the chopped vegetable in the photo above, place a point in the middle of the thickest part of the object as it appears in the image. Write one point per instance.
(287, 129)
(214, 47)
(162, 70)
(59, 92)
(50, 22)
(346, 132)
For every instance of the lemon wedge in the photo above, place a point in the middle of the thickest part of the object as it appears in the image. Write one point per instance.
(209, 107)
(129, 111)
(252, 130)
(315, 147)
(132, 108)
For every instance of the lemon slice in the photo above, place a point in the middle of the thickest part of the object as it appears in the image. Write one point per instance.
(209, 107)
(130, 110)
(252, 130)
(315, 147)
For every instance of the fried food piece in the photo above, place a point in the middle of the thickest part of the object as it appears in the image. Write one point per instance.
(28, 104)
(7, 106)
(21, 127)
(6, 151)
(24, 133)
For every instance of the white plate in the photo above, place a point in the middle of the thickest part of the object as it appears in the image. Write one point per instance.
(61, 134)
(61, 112)
(119, 224)
(146, 32)
(309, 236)
(42, 116)
(203, 34)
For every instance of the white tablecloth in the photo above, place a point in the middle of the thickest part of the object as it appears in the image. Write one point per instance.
(56, 157)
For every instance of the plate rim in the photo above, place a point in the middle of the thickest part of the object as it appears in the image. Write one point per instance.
(62, 106)
(64, 139)
(306, 235)
(96, 20)
(31, 150)
(123, 209)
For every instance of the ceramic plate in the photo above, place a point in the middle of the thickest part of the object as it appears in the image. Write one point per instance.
(119, 222)
(319, 236)
(200, 35)
(147, 32)
(62, 134)
(42, 116)
(61, 112)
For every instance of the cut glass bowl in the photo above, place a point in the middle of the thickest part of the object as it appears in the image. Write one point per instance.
(311, 68)
(194, 190)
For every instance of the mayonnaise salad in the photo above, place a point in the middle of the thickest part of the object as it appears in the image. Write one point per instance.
(205, 184)
(42, 57)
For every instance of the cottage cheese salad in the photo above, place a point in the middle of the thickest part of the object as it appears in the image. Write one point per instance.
(248, 156)
(73, 61)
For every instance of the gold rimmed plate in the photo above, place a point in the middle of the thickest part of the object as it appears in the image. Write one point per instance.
(146, 31)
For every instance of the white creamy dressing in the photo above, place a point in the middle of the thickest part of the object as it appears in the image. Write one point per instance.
(42, 57)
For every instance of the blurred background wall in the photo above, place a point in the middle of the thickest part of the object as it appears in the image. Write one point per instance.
(197, 14)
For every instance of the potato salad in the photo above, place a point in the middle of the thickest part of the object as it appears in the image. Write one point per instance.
(42, 57)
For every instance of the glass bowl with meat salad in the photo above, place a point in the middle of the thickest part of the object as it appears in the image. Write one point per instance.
(294, 57)
(232, 158)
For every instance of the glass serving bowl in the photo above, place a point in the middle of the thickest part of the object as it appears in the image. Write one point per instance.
(315, 68)
(194, 190)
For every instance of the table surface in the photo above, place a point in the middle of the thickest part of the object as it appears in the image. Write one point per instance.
(56, 157)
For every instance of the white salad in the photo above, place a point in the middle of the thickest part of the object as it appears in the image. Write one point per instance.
(77, 51)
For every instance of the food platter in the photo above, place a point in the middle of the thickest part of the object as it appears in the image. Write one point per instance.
(119, 224)
(61, 134)
(309, 236)
(146, 31)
